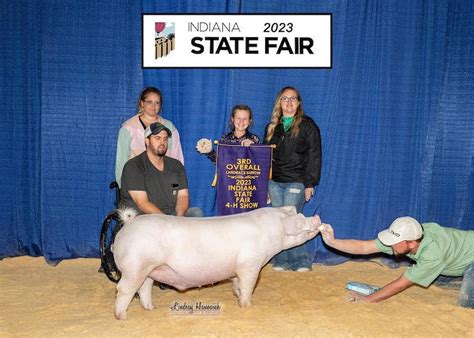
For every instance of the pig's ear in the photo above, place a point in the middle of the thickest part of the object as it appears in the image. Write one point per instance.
(290, 209)
(293, 225)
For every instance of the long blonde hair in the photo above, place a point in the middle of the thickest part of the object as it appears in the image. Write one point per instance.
(277, 114)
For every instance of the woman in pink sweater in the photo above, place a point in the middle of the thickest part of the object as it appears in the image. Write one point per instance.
(131, 140)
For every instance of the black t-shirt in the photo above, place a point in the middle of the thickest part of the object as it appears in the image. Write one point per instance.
(161, 186)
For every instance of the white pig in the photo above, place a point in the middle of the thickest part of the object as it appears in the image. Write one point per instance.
(191, 252)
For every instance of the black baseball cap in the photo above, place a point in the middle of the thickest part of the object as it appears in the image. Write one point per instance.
(155, 128)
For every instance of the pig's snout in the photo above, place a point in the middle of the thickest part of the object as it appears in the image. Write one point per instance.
(312, 223)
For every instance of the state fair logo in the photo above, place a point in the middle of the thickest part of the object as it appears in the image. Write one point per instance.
(164, 38)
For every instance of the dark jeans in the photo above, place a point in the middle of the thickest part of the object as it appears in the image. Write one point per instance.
(466, 294)
(283, 194)
(465, 285)
(194, 212)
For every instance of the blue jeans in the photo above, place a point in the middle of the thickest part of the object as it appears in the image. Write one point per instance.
(466, 294)
(283, 194)
(465, 285)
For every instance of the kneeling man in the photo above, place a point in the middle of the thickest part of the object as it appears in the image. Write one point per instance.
(153, 183)
(436, 250)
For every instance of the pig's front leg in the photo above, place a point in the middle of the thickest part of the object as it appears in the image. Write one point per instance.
(247, 278)
(145, 294)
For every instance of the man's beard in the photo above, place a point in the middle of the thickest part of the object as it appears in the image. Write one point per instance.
(159, 151)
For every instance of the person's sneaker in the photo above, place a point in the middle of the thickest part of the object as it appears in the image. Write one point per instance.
(278, 268)
(303, 269)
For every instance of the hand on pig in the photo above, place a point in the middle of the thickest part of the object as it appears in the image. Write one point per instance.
(327, 232)
(204, 146)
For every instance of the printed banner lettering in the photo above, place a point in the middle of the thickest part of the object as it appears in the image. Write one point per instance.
(242, 178)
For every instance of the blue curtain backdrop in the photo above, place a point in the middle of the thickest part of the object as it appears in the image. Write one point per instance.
(395, 113)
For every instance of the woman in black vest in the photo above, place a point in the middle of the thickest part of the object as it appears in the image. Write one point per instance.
(296, 166)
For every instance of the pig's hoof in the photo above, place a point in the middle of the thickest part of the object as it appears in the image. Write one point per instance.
(120, 316)
(148, 307)
(245, 303)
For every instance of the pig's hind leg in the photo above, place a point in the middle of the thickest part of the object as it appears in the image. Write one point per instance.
(126, 289)
(236, 287)
(145, 294)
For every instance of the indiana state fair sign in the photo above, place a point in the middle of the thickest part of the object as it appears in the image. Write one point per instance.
(237, 41)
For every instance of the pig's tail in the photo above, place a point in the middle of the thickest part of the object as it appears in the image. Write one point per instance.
(127, 214)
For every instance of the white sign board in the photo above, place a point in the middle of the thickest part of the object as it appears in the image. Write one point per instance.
(237, 41)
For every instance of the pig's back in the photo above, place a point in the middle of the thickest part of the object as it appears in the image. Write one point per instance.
(206, 236)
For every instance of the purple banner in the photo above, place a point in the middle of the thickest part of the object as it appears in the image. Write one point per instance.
(242, 177)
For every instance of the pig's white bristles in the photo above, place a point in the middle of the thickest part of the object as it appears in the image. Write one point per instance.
(127, 214)
(321, 228)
